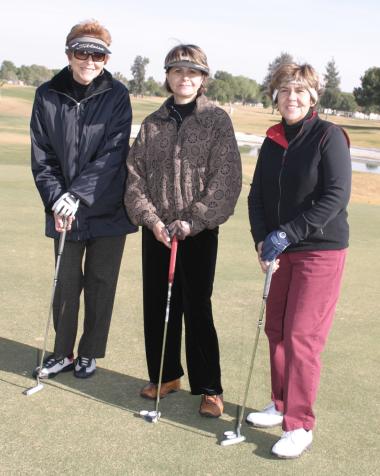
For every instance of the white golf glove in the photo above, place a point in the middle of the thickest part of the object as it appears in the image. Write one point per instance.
(66, 205)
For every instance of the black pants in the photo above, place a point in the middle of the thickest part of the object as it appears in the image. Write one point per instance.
(191, 296)
(97, 276)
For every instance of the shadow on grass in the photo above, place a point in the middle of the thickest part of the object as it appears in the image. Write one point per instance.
(122, 391)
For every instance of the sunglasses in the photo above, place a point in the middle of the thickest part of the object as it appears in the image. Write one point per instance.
(84, 55)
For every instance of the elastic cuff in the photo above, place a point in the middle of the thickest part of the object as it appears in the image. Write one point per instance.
(74, 196)
(196, 228)
(150, 221)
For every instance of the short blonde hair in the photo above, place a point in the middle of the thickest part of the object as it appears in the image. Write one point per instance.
(191, 53)
(90, 28)
(287, 73)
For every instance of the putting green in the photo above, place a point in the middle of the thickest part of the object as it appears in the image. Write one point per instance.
(92, 427)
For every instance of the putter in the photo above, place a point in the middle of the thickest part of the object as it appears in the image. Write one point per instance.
(39, 386)
(154, 416)
(234, 437)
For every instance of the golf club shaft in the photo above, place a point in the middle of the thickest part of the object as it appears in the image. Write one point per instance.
(163, 345)
(173, 257)
(268, 279)
(61, 244)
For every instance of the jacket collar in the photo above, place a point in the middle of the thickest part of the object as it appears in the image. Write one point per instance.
(61, 82)
(202, 106)
(277, 133)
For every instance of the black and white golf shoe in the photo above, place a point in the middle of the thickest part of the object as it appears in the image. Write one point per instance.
(84, 367)
(52, 366)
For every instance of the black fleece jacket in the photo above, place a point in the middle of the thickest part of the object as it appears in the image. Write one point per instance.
(303, 187)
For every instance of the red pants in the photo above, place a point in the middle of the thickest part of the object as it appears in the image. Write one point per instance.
(300, 309)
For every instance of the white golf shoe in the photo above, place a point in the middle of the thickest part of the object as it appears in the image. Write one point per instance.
(293, 443)
(267, 418)
(52, 366)
(84, 367)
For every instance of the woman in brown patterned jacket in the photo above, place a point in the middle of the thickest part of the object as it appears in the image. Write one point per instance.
(184, 179)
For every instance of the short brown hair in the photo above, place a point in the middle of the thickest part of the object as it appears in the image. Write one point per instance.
(288, 72)
(89, 28)
(191, 53)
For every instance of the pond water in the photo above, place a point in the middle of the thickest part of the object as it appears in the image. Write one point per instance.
(368, 167)
(358, 165)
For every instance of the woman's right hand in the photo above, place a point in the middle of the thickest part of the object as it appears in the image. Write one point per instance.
(265, 264)
(59, 225)
(161, 234)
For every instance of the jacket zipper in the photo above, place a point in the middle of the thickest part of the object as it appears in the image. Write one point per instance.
(77, 145)
(279, 185)
(174, 176)
(178, 131)
(280, 175)
(77, 108)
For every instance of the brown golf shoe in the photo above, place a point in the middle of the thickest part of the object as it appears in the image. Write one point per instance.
(150, 390)
(211, 406)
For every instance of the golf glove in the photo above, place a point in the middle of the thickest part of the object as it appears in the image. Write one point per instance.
(66, 206)
(179, 228)
(274, 244)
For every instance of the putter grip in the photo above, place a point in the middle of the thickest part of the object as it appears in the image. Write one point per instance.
(268, 279)
(173, 257)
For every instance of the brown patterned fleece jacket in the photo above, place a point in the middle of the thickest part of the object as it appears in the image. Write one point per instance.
(192, 174)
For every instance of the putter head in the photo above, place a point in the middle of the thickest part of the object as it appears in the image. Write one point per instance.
(231, 438)
(151, 417)
(31, 390)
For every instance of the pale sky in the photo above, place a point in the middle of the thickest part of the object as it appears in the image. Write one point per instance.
(238, 36)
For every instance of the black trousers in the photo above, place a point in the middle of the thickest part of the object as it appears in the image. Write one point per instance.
(191, 297)
(92, 266)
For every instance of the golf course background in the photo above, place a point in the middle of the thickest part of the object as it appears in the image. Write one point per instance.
(91, 427)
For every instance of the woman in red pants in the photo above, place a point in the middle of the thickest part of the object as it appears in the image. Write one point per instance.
(298, 215)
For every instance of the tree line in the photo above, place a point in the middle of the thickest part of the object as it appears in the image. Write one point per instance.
(33, 75)
(226, 88)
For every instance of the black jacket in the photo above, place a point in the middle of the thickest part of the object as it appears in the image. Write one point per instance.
(81, 148)
(303, 187)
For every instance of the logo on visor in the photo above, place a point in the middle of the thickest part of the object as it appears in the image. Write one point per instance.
(86, 46)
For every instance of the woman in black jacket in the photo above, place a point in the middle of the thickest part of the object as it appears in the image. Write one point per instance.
(80, 129)
(298, 215)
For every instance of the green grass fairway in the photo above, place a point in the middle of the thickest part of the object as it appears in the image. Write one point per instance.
(250, 120)
(76, 427)
(26, 92)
